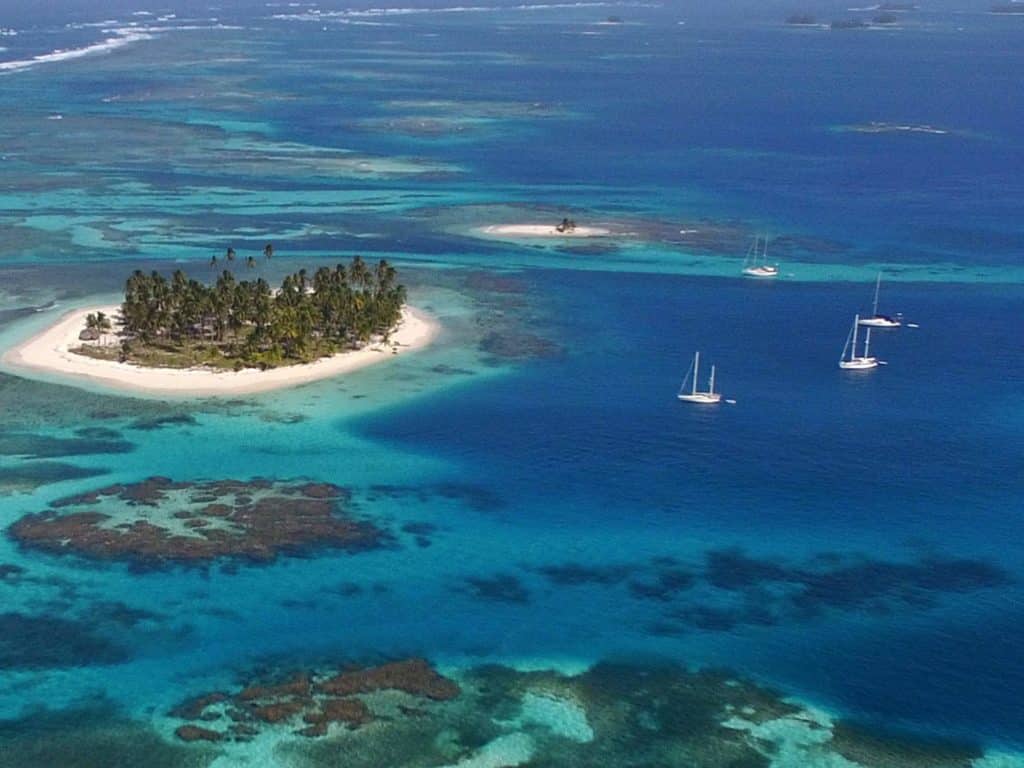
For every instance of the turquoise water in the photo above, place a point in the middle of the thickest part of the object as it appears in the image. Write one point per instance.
(854, 541)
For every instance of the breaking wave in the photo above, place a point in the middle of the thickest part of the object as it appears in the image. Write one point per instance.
(318, 15)
(121, 38)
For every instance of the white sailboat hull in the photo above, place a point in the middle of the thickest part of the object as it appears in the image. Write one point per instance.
(763, 271)
(880, 321)
(704, 398)
(859, 363)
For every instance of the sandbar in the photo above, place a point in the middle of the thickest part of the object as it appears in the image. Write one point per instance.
(541, 230)
(49, 352)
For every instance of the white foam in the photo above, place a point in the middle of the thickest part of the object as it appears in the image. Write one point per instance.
(317, 15)
(122, 38)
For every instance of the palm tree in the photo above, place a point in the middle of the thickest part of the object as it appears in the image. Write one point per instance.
(358, 273)
(345, 306)
(384, 277)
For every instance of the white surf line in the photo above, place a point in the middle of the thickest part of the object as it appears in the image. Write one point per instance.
(123, 36)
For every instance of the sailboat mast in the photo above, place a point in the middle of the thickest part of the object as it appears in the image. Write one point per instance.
(711, 384)
(878, 284)
(764, 257)
(853, 349)
(867, 342)
(696, 368)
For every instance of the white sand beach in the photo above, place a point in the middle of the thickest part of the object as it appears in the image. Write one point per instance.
(541, 230)
(49, 352)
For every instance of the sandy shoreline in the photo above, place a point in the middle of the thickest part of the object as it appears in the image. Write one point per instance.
(48, 352)
(541, 230)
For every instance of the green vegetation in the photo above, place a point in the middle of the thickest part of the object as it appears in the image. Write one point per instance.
(239, 324)
(98, 322)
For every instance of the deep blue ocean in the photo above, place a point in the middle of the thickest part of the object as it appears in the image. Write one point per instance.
(853, 539)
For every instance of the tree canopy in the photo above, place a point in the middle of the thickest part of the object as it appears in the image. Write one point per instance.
(253, 324)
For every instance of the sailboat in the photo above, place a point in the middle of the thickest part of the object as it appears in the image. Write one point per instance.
(693, 396)
(853, 362)
(756, 264)
(876, 320)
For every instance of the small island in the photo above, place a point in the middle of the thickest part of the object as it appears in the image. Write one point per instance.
(232, 336)
(566, 228)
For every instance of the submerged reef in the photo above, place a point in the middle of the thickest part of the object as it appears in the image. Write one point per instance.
(33, 446)
(94, 735)
(310, 702)
(37, 642)
(27, 477)
(404, 713)
(57, 626)
(731, 589)
(160, 521)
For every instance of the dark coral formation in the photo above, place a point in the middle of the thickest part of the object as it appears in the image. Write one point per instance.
(512, 345)
(733, 589)
(627, 715)
(28, 476)
(664, 586)
(37, 642)
(92, 736)
(413, 676)
(404, 715)
(35, 446)
(762, 591)
(574, 574)
(499, 588)
(309, 702)
(476, 497)
(153, 423)
(161, 521)
(866, 747)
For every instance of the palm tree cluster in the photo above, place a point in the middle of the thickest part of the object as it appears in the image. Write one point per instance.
(98, 322)
(248, 321)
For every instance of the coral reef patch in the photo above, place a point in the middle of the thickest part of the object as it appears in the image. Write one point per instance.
(310, 702)
(160, 521)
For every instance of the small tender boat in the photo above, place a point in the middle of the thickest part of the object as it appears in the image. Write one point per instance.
(693, 396)
(756, 264)
(876, 320)
(852, 362)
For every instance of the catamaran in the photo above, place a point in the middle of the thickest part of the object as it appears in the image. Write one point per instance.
(756, 264)
(693, 396)
(876, 320)
(853, 362)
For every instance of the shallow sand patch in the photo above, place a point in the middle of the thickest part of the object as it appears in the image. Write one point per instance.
(541, 230)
